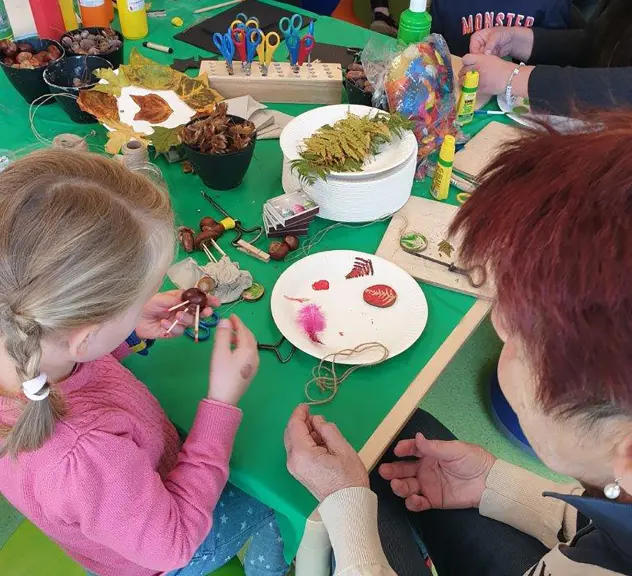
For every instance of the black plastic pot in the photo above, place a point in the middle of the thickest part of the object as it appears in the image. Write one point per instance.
(30, 82)
(221, 171)
(115, 57)
(60, 75)
(356, 95)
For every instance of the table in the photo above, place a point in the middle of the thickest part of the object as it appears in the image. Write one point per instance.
(369, 409)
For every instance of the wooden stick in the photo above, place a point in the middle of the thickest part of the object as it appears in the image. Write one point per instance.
(178, 306)
(222, 5)
(176, 321)
(251, 250)
(197, 324)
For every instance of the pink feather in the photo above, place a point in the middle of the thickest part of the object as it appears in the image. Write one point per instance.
(312, 320)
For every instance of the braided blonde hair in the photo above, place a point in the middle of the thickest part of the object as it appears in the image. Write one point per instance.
(80, 237)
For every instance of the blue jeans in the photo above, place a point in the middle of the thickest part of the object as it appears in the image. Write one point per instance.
(237, 519)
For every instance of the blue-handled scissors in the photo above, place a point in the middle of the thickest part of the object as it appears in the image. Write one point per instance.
(225, 45)
(204, 328)
(291, 26)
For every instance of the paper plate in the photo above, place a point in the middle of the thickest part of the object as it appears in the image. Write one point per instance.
(390, 155)
(361, 200)
(350, 321)
(561, 123)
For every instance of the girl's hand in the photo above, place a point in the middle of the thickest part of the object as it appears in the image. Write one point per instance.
(445, 475)
(234, 363)
(155, 318)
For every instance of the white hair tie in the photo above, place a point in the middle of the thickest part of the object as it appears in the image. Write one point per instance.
(32, 388)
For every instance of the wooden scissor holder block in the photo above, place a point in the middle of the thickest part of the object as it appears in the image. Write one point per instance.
(315, 83)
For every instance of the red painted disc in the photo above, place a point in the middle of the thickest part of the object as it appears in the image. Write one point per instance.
(321, 285)
(380, 296)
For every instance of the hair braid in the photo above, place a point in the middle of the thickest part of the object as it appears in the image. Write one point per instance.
(37, 420)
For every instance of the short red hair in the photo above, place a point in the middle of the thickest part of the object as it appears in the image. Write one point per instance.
(552, 220)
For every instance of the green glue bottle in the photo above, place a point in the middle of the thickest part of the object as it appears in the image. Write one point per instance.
(414, 23)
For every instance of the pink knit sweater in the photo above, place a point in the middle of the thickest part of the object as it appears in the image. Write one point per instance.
(113, 486)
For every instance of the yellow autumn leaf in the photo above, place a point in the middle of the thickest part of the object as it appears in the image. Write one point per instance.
(196, 93)
(121, 134)
(164, 138)
(114, 82)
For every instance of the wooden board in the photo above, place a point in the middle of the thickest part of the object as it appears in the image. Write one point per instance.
(481, 99)
(315, 83)
(484, 147)
(432, 219)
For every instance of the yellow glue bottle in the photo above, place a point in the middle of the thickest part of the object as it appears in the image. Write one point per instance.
(443, 172)
(133, 17)
(467, 101)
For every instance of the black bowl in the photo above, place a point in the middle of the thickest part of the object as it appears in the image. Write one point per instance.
(221, 171)
(60, 75)
(29, 82)
(355, 94)
(114, 57)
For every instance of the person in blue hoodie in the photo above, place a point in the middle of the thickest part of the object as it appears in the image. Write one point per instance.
(457, 20)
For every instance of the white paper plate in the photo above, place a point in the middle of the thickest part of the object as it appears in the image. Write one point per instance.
(561, 123)
(349, 320)
(390, 156)
(363, 200)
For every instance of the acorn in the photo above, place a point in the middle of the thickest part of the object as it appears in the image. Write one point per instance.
(292, 242)
(206, 284)
(278, 250)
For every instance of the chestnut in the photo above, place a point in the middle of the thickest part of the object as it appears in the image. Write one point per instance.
(278, 250)
(207, 222)
(292, 242)
(195, 297)
(25, 47)
(186, 237)
(206, 284)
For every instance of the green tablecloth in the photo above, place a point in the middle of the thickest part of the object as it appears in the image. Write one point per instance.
(177, 371)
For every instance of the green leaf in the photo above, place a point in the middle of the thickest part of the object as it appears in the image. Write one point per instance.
(115, 82)
(164, 138)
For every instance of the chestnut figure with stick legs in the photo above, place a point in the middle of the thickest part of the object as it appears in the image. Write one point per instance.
(86, 452)
(563, 311)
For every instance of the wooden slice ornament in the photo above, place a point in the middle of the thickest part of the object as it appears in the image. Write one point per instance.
(380, 296)
(413, 242)
(254, 293)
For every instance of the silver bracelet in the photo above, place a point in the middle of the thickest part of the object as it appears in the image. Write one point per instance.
(509, 97)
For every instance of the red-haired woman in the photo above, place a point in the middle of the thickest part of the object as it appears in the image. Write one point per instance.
(552, 220)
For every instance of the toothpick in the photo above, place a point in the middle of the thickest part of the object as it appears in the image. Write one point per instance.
(175, 322)
(197, 324)
(178, 306)
(208, 253)
(222, 5)
(216, 246)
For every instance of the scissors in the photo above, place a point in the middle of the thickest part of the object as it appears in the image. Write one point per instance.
(242, 21)
(299, 48)
(204, 329)
(265, 50)
(239, 228)
(246, 42)
(276, 350)
(225, 45)
(291, 26)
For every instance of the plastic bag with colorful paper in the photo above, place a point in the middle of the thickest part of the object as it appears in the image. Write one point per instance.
(418, 83)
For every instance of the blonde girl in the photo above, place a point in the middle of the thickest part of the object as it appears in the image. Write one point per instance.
(86, 452)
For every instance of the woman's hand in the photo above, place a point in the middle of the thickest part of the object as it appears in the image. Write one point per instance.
(234, 362)
(445, 474)
(493, 72)
(155, 318)
(319, 457)
(516, 42)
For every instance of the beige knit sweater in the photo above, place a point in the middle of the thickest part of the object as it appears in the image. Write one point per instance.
(512, 495)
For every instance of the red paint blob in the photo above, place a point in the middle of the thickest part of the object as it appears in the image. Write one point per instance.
(321, 285)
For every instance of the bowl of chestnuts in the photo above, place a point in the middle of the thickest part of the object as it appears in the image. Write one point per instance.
(95, 41)
(24, 63)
